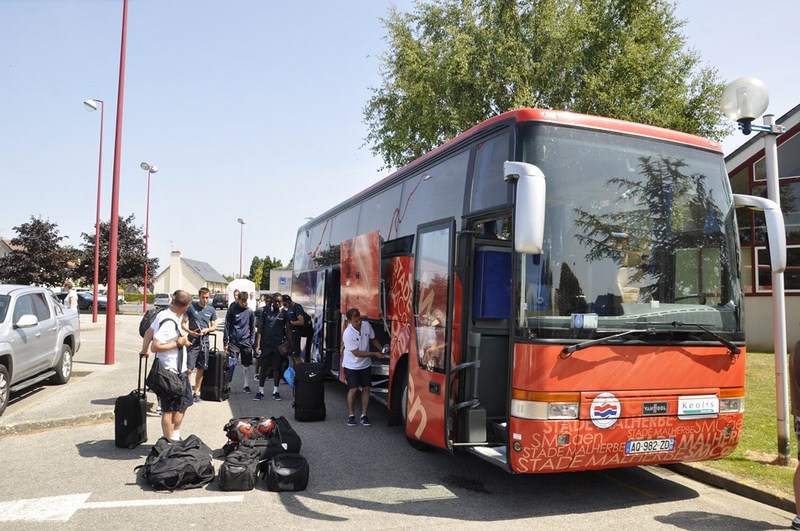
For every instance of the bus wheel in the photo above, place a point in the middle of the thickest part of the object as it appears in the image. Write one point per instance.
(415, 443)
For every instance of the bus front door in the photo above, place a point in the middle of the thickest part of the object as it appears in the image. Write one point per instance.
(427, 403)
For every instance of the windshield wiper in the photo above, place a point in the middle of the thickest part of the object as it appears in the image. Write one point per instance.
(733, 350)
(566, 352)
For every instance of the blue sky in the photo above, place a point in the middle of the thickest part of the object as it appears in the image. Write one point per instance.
(250, 108)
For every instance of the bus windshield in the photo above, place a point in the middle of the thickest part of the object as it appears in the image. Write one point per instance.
(638, 233)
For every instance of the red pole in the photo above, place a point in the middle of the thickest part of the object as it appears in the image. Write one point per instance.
(97, 220)
(113, 237)
(146, 240)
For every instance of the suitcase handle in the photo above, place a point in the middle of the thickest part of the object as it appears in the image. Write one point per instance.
(140, 385)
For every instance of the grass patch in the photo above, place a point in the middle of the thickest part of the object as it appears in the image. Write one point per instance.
(757, 451)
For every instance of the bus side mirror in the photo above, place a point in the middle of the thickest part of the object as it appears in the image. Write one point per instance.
(529, 208)
(776, 232)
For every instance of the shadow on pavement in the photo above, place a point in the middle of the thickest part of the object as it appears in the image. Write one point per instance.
(105, 449)
(696, 520)
(104, 401)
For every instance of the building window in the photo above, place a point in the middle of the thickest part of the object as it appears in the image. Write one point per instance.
(791, 275)
(788, 160)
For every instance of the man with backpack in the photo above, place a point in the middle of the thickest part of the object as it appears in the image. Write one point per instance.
(165, 340)
(297, 318)
(239, 335)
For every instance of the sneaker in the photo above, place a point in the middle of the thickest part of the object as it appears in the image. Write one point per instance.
(796, 522)
(247, 390)
(351, 421)
(196, 399)
(255, 377)
(259, 396)
(365, 421)
(158, 411)
(276, 396)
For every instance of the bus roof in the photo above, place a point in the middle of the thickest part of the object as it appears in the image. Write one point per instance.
(545, 116)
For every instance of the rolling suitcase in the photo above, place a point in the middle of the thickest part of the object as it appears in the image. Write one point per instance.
(215, 385)
(309, 392)
(130, 415)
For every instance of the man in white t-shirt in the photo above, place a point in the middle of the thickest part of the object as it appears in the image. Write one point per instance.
(357, 363)
(169, 347)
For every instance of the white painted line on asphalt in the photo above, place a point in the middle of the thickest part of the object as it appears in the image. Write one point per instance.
(54, 508)
(169, 501)
(395, 495)
(61, 508)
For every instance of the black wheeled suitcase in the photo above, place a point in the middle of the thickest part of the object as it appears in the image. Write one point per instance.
(309, 392)
(215, 385)
(130, 415)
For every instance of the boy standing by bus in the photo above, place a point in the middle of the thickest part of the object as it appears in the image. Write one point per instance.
(357, 363)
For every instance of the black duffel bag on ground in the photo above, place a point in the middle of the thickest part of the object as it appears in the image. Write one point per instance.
(239, 470)
(287, 472)
(171, 465)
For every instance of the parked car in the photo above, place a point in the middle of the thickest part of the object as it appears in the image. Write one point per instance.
(85, 300)
(38, 339)
(220, 301)
(162, 300)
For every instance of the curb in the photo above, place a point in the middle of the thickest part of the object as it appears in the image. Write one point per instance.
(733, 485)
(50, 424)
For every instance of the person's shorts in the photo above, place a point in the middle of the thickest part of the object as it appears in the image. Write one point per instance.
(178, 403)
(358, 377)
(270, 358)
(197, 356)
(243, 352)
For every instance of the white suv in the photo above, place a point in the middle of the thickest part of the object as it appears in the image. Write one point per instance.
(162, 300)
(38, 339)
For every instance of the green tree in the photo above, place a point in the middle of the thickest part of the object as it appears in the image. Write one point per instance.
(130, 254)
(36, 256)
(267, 265)
(455, 63)
(255, 270)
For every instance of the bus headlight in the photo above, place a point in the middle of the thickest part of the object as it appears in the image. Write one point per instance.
(731, 405)
(539, 409)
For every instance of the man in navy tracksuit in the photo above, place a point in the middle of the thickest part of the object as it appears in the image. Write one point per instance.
(240, 334)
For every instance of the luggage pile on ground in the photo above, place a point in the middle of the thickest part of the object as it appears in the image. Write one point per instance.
(265, 447)
(268, 448)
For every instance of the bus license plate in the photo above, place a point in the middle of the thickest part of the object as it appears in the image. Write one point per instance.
(649, 446)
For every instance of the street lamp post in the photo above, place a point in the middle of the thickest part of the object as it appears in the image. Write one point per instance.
(92, 105)
(744, 100)
(241, 242)
(150, 169)
(113, 231)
